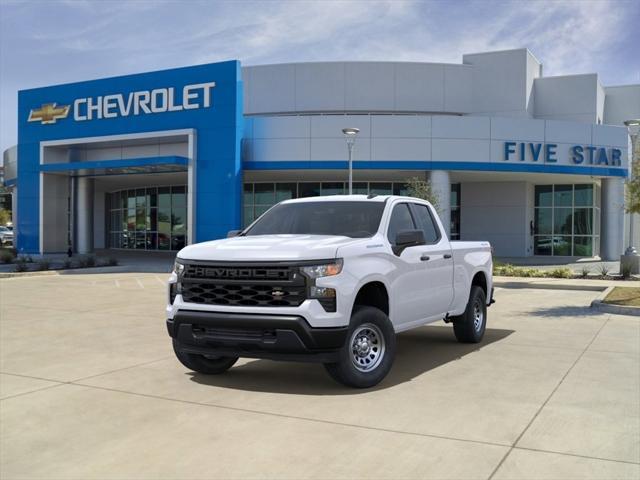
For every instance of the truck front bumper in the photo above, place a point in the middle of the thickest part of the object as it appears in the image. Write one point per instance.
(276, 337)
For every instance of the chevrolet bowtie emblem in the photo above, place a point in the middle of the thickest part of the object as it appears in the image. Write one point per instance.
(48, 113)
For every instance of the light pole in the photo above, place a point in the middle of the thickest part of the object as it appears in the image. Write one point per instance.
(633, 126)
(350, 135)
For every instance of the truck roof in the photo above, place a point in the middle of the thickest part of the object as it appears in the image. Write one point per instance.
(348, 198)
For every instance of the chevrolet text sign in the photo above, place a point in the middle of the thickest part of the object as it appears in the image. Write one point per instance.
(143, 102)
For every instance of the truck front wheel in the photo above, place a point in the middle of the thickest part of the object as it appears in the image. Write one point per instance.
(202, 364)
(367, 355)
(469, 327)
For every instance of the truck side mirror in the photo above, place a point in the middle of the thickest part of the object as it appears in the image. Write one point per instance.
(233, 233)
(408, 238)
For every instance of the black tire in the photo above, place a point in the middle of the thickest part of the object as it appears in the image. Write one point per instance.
(202, 364)
(465, 326)
(371, 330)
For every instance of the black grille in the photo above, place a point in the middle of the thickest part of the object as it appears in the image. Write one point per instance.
(258, 286)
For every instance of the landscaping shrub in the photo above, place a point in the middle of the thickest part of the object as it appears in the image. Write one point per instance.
(44, 264)
(112, 262)
(584, 273)
(67, 264)
(6, 256)
(604, 270)
(562, 272)
(21, 266)
(625, 270)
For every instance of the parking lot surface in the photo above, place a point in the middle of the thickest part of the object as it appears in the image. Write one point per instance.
(89, 388)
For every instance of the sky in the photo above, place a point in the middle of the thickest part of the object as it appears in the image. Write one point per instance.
(48, 42)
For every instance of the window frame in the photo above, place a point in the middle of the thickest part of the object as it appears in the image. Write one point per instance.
(413, 205)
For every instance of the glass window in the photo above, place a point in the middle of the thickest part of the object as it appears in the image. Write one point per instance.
(247, 196)
(542, 221)
(583, 221)
(400, 189)
(562, 220)
(380, 188)
(562, 245)
(332, 188)
(400, 220)
(178, 197)
(307, 189)
(360, 188)
(179, 220)
(264, 193)
(164, 197)
(544, 195)
(351, 219)
(562, 195)
(542, 245)
(583, 246)
(455, 195)
(426, 223)
(584, 195)
(285, 191)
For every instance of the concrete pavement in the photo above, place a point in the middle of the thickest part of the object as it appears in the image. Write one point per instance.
(89, 388)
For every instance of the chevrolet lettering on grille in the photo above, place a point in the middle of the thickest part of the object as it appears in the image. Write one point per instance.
(238, 273)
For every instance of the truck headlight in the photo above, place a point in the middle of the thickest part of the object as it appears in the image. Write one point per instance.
(323, 270)
(178, 268)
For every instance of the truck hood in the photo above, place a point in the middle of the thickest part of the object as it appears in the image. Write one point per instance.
(265, 248)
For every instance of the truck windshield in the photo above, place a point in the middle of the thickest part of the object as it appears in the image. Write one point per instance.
(349, 219)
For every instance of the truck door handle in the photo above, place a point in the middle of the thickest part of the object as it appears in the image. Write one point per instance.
(425, 258)
(447, 255)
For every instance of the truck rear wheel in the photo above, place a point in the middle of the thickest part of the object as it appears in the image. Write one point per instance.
(367, 356)
(469, 327)
(202, 364)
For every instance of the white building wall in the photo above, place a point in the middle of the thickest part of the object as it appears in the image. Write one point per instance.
(571, 97)
(498, 212)
(621, 103)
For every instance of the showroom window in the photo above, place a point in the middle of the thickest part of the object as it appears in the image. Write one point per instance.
(455, 211)
(259, 197)
(567, 220)
(152, 218)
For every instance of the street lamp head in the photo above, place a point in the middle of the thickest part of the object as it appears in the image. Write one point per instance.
(633, 126)
(350, 134)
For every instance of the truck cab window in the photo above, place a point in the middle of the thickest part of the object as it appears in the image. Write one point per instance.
(426, 223)
(400, 220)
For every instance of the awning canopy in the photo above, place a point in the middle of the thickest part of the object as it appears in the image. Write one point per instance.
(127, 166)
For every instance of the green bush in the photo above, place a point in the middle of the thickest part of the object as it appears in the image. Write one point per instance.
(508, 270)
(112, 262)
(44, 264)
(625, 270)
(604, 270)
(6, 256)
(562, 272)
(67, 264)
(21, 266)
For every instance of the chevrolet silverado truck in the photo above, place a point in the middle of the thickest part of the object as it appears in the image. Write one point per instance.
(326, 279)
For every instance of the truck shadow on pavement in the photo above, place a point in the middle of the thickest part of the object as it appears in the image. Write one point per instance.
(418, 352)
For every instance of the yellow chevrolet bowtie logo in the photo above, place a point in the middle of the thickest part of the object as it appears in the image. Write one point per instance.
(48, 113)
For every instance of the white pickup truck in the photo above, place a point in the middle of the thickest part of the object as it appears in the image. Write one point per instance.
(326, 279)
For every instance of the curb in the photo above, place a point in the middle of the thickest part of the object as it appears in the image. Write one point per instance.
(548, 286)
(598, 304)
(71, 271)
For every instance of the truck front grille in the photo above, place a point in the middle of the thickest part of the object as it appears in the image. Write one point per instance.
(243, 285)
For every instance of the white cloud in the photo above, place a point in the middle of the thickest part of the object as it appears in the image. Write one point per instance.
(51, 42)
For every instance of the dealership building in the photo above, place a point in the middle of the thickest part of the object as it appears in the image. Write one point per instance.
(154, 161)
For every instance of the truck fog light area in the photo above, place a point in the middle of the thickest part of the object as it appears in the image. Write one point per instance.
(326, 297)
(322, 292)
(174, 289)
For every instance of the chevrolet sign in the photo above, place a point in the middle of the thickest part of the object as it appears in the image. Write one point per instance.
(145, 102)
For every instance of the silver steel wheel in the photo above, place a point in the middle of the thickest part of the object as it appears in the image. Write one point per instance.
(367, 347)
(478, 316)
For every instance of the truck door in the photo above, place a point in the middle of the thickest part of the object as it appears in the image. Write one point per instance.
(410, 295)
(437, 262)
